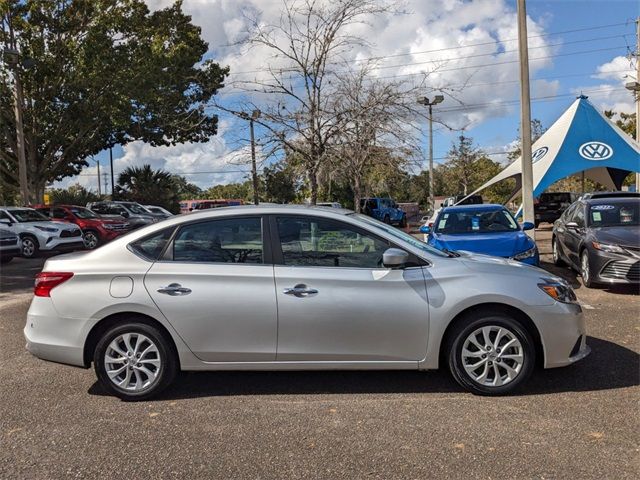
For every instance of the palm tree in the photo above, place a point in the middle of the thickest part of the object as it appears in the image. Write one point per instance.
(149, 187)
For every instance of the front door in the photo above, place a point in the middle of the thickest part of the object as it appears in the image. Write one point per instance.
(217, 291)
(337, 303)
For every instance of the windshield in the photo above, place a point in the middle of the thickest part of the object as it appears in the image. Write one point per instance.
(618, 214)
(555, 197)
(83, 212)
(26, 215)
(414, 242)
(136, 208)
(474, 221)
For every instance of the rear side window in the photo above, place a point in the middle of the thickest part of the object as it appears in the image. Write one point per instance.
(233, 240)
(151, 247)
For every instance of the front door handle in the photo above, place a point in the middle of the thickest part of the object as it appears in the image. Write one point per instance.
(300, 290)
(174, 290)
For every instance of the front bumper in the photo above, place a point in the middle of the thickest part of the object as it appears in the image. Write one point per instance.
(614, 268)
(62, 244)
(563, 333)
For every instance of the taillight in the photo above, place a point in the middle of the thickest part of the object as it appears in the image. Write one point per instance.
(47, 281)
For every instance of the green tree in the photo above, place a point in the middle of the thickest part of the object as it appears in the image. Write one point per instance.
(625, 121)
(102, 72)
(185, 189)
(537, 130)
(149, 187)
(279, 184)
(74, 195)
(242, 191)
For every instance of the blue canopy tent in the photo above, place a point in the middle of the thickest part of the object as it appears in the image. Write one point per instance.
(581, 140)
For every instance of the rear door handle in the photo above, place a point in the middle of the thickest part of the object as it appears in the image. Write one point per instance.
(300, 290)
(174, 290)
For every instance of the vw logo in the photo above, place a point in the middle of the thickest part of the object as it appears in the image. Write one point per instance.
(595, 151)
(538, 154)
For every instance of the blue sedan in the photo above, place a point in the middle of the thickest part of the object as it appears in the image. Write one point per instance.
(488, 229)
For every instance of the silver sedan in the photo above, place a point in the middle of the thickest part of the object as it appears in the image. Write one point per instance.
(295, 288)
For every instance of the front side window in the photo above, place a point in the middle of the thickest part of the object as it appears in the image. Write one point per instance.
(136, 208)
(316, 242)
(83, 213)
(234, 240)
(578, 216)
(59, 213)
(476, 222)
(100, 209)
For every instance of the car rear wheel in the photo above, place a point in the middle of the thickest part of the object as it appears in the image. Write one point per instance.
(29, 246)
(557, 259)
(91, 239)
(387, 220)
(134, 361)
(492, 354)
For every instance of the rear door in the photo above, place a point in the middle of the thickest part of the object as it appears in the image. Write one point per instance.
(336, 302)
(215, 285)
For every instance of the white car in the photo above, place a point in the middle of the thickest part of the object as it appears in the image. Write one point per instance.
(38, 233)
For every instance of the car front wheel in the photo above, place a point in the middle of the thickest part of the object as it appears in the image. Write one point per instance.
(91, 239)
(491, 355)
(29, 246)
(585, 270)
(134, 361)
(557, 259)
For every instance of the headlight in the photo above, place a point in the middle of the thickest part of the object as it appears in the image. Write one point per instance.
(526, 254)
(558, 290)
(46, 229)
(605, 247)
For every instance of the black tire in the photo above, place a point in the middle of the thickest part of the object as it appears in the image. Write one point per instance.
(555, 250)
(387, 220)
(5, 260)
(30, 246)
(587, 276)
(91, 239)
(168, 361)
(470, 324)
(403, 222)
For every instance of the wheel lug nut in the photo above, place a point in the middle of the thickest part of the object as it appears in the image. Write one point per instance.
(484, 355)
(497, 350)
(498, 360)
(490, 363)
(488, 349)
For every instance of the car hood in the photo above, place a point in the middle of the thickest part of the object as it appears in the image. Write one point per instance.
(629, 236)
(480, 263)
(504, 244)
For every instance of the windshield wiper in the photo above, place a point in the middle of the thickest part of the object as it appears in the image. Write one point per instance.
(451, 253)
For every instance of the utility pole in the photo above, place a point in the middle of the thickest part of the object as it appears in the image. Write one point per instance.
(638, 94)
(104, 181)
(99, 189)
(425, 101)
(113, 194)
(525, 119)
(254, 170)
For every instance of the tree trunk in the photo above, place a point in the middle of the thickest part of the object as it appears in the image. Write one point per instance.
(313, 183)
(357, 193)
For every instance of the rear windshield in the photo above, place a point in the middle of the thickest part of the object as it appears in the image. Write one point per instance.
(476, 222)
(555, 197)
(616, 214)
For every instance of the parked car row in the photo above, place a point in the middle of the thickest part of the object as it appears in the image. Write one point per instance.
(28, 231)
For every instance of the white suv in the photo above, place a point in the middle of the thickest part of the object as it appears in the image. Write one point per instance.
(38, 233)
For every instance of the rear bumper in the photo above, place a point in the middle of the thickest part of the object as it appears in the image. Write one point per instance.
(51, 337)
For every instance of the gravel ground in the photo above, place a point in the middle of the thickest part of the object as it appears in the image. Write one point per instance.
(580, 422)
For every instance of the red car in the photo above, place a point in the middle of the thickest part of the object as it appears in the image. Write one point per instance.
(95, 229)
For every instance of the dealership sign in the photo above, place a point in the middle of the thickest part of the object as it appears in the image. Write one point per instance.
(595, 151)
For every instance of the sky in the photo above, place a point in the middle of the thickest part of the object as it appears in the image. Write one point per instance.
(469, 50)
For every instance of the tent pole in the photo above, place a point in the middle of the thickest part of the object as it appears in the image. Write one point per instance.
(637, 94)
(525, 120)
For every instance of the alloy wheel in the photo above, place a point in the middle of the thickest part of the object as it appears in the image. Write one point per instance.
(584, 264)
(492, 356)
(28, 247)
(90, 240)
(554, 247)
(132, 362)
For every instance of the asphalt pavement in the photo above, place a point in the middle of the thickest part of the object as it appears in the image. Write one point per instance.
(576, 422)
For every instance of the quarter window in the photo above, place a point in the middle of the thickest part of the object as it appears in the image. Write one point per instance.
(237, 240)
(151, 247)
(315, 242)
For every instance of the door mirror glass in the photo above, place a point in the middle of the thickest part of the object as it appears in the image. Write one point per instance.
(395, 258)
(528, 226)
(425, 229)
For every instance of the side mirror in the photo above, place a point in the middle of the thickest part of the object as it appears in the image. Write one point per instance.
(571, 225)
(425, 229)
(395, 258)
(6, 221)
(528, 226)
(124, 214)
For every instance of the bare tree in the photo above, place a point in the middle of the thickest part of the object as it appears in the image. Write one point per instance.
(308, 46)
(377, 126)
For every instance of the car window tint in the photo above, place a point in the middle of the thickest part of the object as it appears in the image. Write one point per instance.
(99, 208)
(59, 213)
(578, 216)
(237, 240)
(317, 242)
(150, 247)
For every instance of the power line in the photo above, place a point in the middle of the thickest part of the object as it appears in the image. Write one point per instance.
(457, 47)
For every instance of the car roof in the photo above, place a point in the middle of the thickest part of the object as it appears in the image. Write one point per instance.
(13, 207)
(595, 201)
(271, 208)
(484, 207)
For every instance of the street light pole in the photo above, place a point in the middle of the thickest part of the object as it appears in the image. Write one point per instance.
(525, 119)
(635, 88)
(113, 194)
(425, 101)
